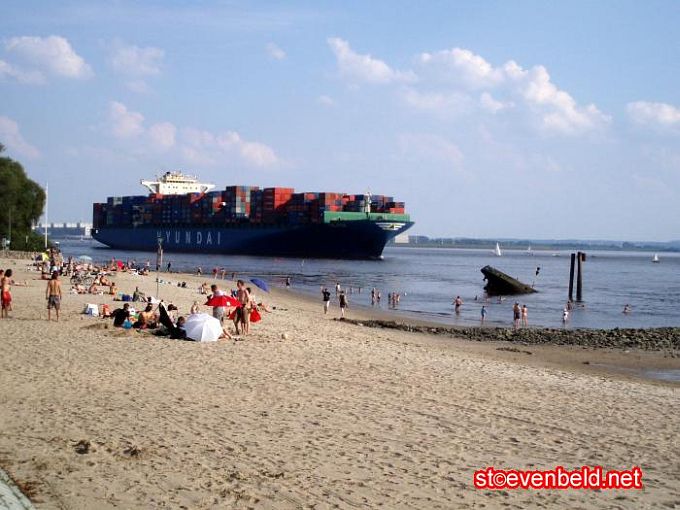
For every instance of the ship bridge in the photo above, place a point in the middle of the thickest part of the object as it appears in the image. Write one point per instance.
(176, 183)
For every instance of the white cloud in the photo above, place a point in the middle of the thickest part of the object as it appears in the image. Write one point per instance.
(488, 103)
(364, 68)
(138, 86)
(325, 100)
(433, 147)
(195, 146)
(558, 110)
(440, 103)
(135, 61)
(470, 68)
(10, 136)
(555, 109)
(53, 54)
(28, 77)
(125, 123)
(254, 153)
(275, 52)
(207, 148)
(660, 115)
(163, 134)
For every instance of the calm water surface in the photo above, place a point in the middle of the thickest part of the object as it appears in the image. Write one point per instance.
(430, 278)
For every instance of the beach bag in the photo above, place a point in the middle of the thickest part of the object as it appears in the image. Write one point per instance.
(91, 310)
(127, 297)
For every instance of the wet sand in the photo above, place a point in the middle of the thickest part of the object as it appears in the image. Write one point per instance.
(337, 415)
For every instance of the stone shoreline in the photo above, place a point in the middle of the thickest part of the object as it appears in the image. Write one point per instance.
(656, 339)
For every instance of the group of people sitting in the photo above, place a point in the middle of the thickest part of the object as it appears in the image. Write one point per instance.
(101, 284)
(241, 307)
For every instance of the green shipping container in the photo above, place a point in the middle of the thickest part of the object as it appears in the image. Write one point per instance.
(329, 216)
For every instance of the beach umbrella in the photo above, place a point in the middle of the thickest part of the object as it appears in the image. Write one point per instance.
(222, 301)
(260, 283)
(203, 327)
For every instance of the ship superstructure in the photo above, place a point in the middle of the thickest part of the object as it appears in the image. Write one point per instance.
(176, 183)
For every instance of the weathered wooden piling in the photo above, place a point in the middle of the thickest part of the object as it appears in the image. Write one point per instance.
(581, 257)
(571, 277)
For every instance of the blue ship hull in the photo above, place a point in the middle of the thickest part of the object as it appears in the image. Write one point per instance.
(363, 239)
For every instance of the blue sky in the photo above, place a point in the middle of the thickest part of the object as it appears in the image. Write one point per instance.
(490, 119)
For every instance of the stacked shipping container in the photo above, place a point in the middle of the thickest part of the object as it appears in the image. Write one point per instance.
(236, 204)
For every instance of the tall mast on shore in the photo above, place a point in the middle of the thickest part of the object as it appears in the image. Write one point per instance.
(47, 202)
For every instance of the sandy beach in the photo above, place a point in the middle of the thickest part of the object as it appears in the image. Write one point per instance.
(335, 416)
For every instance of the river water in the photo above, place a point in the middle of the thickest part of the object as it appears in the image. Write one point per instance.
(428, 280)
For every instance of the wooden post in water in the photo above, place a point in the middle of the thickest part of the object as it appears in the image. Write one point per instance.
(571, 277)
(579, 276)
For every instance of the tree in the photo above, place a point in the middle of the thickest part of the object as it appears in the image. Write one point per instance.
(22, 202)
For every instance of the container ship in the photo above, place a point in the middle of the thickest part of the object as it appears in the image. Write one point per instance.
(181, 214)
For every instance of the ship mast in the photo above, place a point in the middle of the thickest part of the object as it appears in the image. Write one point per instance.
(47, 201)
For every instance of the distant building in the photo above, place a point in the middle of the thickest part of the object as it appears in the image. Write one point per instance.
(418, 239)
(401, 239)
(63, 230)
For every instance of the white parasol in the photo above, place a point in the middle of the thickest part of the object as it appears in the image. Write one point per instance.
(203, 327)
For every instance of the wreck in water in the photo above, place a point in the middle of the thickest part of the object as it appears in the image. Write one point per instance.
(500, 284)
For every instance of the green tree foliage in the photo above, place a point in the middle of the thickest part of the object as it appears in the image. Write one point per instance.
(21, 204)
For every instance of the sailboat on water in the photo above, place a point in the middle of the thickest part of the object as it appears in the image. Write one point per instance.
(655, 258)
(497, 251)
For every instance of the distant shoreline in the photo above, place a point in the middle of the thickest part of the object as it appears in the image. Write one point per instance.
(521, 246)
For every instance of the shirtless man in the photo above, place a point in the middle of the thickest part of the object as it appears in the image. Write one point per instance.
(53, 295)
(458, 302)
(243, 311)
(6, 294)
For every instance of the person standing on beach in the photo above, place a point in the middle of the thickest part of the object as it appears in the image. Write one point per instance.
(288, 282)
(565, 315)
(516, 315)
(337, 288)
(326, 299)
(6, 294)
(343, 303)
(243, 311)
(169, 266)
(53, 295)
(218, 311)
(373, 291)
(483, 314)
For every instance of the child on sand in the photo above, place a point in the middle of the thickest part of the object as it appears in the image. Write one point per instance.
(53, 295)
(343, 303)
